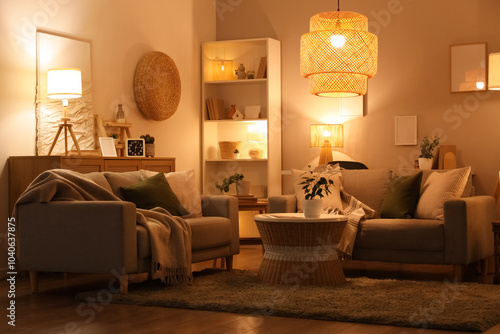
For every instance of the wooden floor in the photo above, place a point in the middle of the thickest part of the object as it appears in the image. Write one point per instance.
(54, 310)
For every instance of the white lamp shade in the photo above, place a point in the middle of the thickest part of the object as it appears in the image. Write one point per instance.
(494, 71)
(64, 83)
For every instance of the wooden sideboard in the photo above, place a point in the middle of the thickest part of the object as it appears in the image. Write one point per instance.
(24, 169)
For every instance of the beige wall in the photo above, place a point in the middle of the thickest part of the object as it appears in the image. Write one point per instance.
(120, 32)
(412, 79)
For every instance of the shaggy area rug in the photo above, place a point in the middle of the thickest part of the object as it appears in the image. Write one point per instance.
(444, 305)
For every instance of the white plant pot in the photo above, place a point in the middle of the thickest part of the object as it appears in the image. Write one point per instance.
(312, 207)
(243, 188)
(424, 163)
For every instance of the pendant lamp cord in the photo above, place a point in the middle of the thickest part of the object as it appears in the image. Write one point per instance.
(338, 5)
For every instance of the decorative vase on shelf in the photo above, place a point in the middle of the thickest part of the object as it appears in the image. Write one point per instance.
(243, 187)
(255, 153)
(312, 207)
(241, 72)
(150, 150)
(425, 163)
(120, 115)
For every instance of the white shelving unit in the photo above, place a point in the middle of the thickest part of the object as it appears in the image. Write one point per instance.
(264, 173)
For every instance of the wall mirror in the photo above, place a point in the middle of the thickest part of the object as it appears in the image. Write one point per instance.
(56, 51)
(468, 67)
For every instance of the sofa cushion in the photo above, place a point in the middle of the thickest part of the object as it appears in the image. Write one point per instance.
(401, 197)
(154, 192)
(468, 190)
(367, 185)
(118, 180)
(401, 234)
(439, 188)
(100, 179)
(184, 186)
(330, 201)
(207, 232)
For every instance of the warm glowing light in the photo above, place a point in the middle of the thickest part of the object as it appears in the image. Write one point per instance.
(337, 41)
(494, 71)
(64, 83)
(338, 55)
(330, 135)
(480, 85)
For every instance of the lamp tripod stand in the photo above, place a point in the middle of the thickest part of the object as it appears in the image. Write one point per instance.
(67, 127)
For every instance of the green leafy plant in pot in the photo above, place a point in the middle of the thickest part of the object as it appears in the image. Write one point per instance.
(115, 137)
(226, 182)
(425, 159)
(315, 188)
(150, 145)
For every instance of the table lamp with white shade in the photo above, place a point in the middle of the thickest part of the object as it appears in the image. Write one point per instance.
(494, 71)
(327, 136)
(64, 84)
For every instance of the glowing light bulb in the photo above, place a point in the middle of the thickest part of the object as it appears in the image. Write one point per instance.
(326, 133)
(337, 41)
(480, 85)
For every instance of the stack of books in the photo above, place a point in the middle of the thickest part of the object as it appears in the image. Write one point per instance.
(216, 109)
(246, 199)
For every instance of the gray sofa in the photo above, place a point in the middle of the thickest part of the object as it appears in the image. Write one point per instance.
(103, 237)
(462, 237)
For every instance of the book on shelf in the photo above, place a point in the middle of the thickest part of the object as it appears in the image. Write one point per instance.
(216, 109)
(262, 71)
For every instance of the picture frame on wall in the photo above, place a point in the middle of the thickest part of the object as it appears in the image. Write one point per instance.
(107, 145)
(468, 67)
(405, 130)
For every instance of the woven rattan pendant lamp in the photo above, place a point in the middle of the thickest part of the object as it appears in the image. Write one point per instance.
(338, 55)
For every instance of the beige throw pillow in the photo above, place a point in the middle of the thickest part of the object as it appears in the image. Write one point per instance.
(331, 201)
(183, 185)
(438, 188)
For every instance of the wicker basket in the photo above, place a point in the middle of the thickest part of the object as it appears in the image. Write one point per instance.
(227, 148)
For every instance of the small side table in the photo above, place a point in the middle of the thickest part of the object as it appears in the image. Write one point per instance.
(496, 232)
(299, 250)
(261, 207)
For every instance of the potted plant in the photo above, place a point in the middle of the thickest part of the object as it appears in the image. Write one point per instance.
(315, 188)
(150, 145)
(236, 154)
(115, 137)
(241, 186)
(425, 159)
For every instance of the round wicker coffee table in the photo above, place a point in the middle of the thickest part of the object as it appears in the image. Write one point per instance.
(299, 250)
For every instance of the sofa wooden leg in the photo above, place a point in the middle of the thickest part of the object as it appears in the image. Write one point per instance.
(229, 262)
(458, 272)
(34, 281)
(484, 267)
(124, 284)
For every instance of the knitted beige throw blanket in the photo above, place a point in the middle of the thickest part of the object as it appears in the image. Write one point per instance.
(170, 236)
(356, 212)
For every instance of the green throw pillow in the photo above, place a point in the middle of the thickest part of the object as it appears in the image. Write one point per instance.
(402, 196)
(154, 192)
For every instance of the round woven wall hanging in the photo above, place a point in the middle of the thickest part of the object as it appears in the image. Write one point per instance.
(157, 86)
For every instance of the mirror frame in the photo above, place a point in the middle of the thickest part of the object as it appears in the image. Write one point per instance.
(55, 50)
